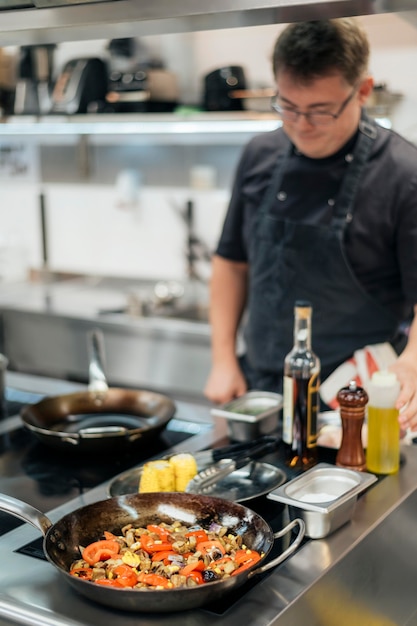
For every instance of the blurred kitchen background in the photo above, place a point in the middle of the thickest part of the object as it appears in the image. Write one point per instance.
(116, 164)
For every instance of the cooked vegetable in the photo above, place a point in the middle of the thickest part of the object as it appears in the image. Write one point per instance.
(150, 545)
(200, 535)
(212, 547)
(126, 575)
(82, 572)
(164, 556)
(154, 580)
(246, 558)
(100, 551)
(171, 474)
(191, 567)
(157, 476)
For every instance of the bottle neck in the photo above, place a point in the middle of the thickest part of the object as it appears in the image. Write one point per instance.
(302, 329)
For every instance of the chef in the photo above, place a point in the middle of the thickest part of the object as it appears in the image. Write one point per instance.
(323, 209)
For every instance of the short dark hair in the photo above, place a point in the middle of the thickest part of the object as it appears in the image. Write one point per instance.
(309, 50)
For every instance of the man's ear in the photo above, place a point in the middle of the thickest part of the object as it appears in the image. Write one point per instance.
(365, 89)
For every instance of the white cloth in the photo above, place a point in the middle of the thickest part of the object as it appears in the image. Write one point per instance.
(358, 368)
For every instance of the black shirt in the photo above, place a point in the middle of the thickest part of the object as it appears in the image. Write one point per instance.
(381, 239)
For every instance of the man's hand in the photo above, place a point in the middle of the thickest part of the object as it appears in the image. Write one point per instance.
(225, 383)
(405, 369)
(406, 372)
(228, 289)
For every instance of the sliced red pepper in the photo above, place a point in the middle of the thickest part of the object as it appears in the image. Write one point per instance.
(220, 563)
(151, 545)
(200, 535)
(242, 556)
(206, 546)
(154, 580)
(196, 576)
(125, 575)
(109, 536)
(192, 567)
(252, 557)
(164, 555)
(85, 573)
(100, 551)
(107, 582)
(103, 555)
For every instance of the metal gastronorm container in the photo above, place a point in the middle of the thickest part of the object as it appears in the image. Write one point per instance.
(324, 497)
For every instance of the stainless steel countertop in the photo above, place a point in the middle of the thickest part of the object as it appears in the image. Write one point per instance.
(32, 591)
(44, 330)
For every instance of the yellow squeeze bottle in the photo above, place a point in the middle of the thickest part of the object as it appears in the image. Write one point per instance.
(383, 451)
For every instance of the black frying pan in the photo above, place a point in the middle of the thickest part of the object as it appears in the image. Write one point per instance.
(100, 417)
(93, 421)
(87, 524)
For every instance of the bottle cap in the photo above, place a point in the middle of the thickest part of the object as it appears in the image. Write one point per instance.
(384, 378)
(383, 389)
(302, 309)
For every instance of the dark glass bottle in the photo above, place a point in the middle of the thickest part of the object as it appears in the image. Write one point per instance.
(301, 397)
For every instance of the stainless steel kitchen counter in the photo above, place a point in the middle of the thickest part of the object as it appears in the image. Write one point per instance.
(45, 328)
(362, 574)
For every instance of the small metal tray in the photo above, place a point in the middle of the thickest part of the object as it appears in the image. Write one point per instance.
(251, 407)
(325, 497)
(254, 414)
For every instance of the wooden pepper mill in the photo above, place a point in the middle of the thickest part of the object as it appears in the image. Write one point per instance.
(352, 400)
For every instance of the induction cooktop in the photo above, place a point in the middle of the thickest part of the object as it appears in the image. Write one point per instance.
(46, 477)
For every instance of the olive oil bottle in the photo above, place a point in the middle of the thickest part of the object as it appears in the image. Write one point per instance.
(301, 397)
(383, 450)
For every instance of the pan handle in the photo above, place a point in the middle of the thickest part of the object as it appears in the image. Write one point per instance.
(25, 512)
(97, 378)
(291, 548)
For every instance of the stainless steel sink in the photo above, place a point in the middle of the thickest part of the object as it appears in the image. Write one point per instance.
(191, 313)
(161, 299)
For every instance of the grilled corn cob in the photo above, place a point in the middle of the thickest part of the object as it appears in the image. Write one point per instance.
(185, 468)
(157, 476)
(168, 475)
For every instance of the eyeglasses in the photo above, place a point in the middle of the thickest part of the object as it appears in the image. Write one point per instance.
(315, 118)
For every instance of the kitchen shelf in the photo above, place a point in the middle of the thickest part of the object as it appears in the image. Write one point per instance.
(45, 22)
(174, 129)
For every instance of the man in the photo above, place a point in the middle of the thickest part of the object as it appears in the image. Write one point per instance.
(323, 209)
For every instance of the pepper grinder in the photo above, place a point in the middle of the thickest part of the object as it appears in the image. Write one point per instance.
(352, 400)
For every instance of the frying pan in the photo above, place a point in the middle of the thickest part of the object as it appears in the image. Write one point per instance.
(100, 417)
(87, 524)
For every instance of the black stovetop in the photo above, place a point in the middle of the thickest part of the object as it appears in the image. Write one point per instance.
(47, 478)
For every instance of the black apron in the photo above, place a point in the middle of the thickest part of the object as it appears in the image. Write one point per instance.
(291, 261)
